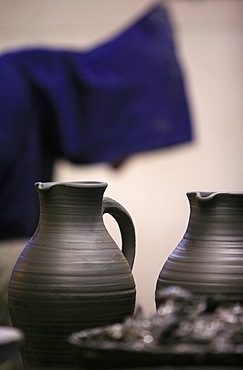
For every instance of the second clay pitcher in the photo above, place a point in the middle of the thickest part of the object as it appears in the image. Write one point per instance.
(209, 258)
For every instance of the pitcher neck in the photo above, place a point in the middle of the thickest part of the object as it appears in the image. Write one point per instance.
(70, 201)
(213, 200)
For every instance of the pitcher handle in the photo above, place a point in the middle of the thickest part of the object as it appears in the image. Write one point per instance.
(126, 227)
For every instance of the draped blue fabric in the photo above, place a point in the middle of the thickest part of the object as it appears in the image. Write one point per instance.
(124, 96)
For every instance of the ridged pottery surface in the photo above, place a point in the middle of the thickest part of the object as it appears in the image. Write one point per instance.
(71, 275)
(209, 258)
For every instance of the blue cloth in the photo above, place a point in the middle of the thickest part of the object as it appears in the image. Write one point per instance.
(124, 96)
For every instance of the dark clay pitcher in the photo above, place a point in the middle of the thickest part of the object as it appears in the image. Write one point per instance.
(71, 275)
(209, 258)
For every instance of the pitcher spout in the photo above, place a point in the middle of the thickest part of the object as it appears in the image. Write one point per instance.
(43, 185)
(205, 196)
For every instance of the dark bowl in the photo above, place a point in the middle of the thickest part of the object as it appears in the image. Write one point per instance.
(109, 356)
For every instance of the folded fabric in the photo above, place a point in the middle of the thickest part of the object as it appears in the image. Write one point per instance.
(102, 105)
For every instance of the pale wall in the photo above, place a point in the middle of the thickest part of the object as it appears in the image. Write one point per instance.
(152, 187)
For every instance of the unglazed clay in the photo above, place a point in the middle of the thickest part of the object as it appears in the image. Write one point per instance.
(209, 258)
(71, 275)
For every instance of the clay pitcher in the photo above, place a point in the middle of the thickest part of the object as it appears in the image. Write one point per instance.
(71, 275)
(209, 258)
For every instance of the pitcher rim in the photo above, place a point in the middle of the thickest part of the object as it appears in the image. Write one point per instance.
(84, 184)
(207, 195)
